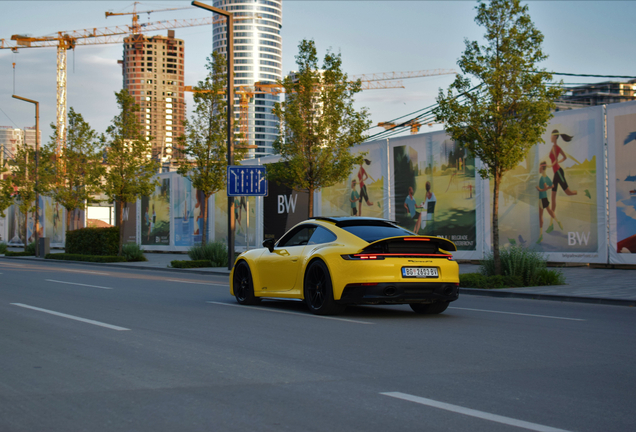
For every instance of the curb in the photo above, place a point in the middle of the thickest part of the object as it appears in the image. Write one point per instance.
(130, 267)
(551, 297)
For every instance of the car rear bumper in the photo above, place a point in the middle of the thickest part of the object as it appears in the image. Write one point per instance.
(399, 293)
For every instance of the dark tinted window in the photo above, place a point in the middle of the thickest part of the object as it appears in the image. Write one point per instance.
(322, 235)
(373, 233)
(300, 236)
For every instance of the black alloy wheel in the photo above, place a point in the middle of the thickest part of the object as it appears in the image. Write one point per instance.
(243, 285)
(319, 290)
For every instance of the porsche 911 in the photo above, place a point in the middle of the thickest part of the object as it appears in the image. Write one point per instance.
(332, 262)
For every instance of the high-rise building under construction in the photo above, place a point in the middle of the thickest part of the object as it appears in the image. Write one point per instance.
(258, 49)
(153, 75)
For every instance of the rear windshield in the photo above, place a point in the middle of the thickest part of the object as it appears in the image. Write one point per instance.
(371, 233)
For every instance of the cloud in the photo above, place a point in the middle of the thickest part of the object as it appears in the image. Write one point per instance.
(629, 211)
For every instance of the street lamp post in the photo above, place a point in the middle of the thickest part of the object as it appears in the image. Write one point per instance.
(230, 118)
(37, 153)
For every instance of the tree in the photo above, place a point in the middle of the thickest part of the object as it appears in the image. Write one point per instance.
(5, 194)
(79, 170)
(506, 114)
(19, 184)
(318, 124)
(130, 169)
(205, 139)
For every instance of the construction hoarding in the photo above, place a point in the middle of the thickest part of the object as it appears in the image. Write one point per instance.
(553, 202)
(621, 142)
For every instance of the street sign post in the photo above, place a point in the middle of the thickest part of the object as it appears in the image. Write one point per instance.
(246, 181)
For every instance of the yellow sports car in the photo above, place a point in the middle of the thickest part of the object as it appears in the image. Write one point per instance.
(331, 262)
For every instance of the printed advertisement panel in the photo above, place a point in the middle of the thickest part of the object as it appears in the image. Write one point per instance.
(621, 140)
(54, 222)
(188, 212)
(155, 215)
(433, 188)
(129, 221)
(554, 200)
(362, 193)
(15, 226)
(244, 214)
(282, 209)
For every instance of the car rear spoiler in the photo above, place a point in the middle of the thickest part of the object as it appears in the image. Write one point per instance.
(409, 245)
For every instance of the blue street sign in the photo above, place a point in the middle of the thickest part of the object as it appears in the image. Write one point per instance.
(246, 181)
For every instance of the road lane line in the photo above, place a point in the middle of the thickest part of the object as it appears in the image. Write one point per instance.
(198, 283)
(291, 313)
(473, 413)
(73, 283)
(518, 313)
(97, 323)
(86, 272)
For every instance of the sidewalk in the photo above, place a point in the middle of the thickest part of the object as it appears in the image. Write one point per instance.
(584, 284)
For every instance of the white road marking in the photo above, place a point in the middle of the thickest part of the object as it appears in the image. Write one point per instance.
(198, 283)
(97, 323)
(293, 313)
(11, 265)
(517, 313)
(73, 283)
(87, 272)
(473, 413)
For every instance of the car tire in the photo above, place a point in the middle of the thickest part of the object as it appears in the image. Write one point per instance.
(243, 285)
(318, 290)
(429, 308)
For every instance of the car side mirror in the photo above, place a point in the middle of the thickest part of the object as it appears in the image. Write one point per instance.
(269, 244)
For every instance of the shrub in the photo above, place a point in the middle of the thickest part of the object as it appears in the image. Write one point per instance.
(215, 252)
(132, 252)
(30, 249)
(550, 277)
(3, 247)
(89, 258)
(16, 254)
(93, 241)
(517, 261)
(191, 263)
(478, 280)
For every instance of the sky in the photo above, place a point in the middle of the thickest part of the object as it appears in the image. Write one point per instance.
(581, 37)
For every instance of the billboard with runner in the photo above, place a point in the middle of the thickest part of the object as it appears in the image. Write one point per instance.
(554, 200)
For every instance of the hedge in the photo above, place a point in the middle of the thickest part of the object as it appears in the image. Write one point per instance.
(191, 263)
(89, 258)
(93, 241)
(18, 254)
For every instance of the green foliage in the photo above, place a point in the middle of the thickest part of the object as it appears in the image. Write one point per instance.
(89, 258)
(215, 252)
(129, 158)
(20, 187)
(205, 140)
(550, 277)
(93, 241)
(3, 247)
(18, 254)
(529, 266)
(319, 124)
(478, 280)
(192, 264)
(132, 252)
(509, 111)
(78, 170)
(30, 249)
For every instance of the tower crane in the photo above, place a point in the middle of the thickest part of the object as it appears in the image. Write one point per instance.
(66, 40)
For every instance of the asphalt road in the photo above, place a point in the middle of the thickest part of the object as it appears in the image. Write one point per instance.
(90, 348)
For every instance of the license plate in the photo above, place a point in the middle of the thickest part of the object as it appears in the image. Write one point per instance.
(419, 272)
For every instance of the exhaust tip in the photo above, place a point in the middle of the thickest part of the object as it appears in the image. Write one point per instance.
(448, 290)
(390, 291)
